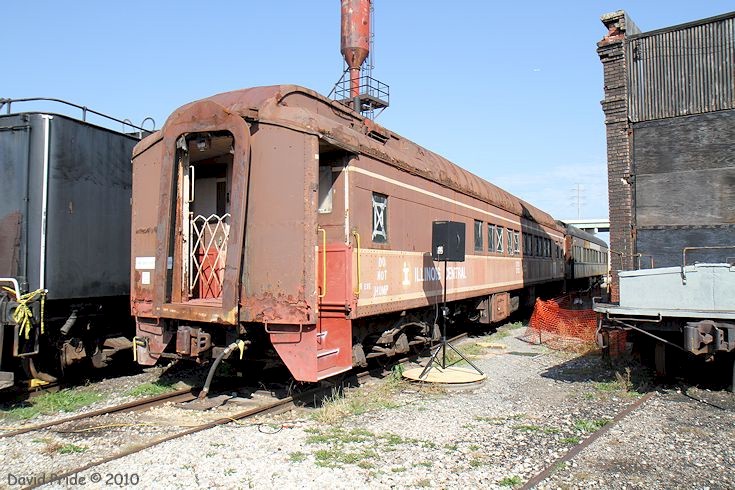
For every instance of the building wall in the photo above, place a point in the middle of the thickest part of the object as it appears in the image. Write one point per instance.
(612, 55)
(685, 187)
(670, 174)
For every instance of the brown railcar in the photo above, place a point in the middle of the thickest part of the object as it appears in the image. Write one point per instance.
(276, 213)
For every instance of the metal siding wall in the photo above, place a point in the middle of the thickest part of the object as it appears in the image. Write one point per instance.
(15, 133)
(680, 72)
(88, 239)
(667, 244)
(685, 170)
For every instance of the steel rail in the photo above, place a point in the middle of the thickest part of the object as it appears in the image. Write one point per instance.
(143, 403)
(263, 409)
(584, 444)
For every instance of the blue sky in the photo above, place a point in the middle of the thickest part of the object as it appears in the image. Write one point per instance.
(509, 91)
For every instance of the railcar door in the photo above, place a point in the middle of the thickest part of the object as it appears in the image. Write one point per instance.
(202, 214)
(205, 167)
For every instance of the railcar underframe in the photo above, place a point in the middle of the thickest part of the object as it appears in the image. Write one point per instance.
(686, 309)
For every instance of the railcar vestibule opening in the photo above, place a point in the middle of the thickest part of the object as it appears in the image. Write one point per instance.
(203, 173)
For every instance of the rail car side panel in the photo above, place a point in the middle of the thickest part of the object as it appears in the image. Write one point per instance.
(398, 273)
(88, 228)
(144, 226)
(15, 135)
(82, 250)
(279, 262)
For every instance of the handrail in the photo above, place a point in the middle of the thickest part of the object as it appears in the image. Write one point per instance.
(84, 110)
(684, 257)
(359, 266)
(14, 282)
(713, 247)
(323, 292)
(636, 255)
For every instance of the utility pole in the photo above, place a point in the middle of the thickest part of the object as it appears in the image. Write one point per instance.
(577, 198)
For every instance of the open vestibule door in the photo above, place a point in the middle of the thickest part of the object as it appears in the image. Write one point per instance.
(201, 220)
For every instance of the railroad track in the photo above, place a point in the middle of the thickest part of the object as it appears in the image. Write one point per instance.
(136, 405)
(275, 406)
(574, 451)
(183, 396)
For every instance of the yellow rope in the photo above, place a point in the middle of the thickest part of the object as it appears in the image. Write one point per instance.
(23, 315)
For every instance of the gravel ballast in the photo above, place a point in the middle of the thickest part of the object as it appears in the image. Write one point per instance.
(534, 407)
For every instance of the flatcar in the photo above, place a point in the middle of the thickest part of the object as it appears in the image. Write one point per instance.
(275, 220)
(64, 241)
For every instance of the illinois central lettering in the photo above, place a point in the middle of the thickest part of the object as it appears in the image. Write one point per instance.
(427, 274)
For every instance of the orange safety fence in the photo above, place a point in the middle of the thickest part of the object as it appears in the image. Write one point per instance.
(569, 323)
(562, 323)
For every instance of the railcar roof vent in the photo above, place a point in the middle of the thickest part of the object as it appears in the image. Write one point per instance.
(382, 138)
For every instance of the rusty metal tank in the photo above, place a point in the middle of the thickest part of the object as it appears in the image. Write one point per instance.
(355, 38)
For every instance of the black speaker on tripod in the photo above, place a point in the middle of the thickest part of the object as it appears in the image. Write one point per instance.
(447, 245)
(447, 241)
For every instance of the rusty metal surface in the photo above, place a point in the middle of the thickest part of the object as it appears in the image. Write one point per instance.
(278, 277)
(273, 270)
(355, 38)
(154, 217)
(305, 110)
(10, 244)
(682, 70)
(400, 274)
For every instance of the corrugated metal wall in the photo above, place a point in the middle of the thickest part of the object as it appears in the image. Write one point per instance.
(682, 71)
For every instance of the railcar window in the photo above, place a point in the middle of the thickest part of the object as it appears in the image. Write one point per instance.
(325, 189)
(478, 236)
(490, 238)
(526, 244)
(380, 218)
(509, 241)
(547, 247)
(516, 243)
(221, 197)
(499, 239)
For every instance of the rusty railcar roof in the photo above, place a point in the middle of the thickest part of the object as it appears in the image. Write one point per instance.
(305, 110)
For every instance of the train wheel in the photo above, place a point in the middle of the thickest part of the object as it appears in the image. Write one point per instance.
(660, 359)
(30, 369)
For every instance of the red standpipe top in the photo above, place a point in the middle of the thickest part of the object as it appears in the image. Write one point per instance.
(355, 38)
